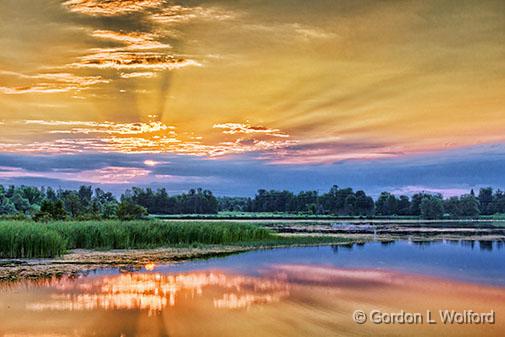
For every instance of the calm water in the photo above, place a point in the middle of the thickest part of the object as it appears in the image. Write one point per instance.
(280, 292)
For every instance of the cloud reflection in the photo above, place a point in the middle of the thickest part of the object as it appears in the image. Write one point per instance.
(153, 292)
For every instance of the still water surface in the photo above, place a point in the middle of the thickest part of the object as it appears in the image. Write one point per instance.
(279, 292)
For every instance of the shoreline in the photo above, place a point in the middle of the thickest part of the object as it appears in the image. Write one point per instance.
(80, 262)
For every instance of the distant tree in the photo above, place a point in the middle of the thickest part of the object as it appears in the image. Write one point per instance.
(485, 199)
(364, 204)
(350, 204)
(452, 207)
(85, 196)
(31, 193)
(51, 210)
(404, 206)
(51, 194)
(7, 207)
(415, 205)
(387, 204)
(72, 203)
(469, 206)
(498, 204)
(128, 210)
(22, 204)
(234, 204)
(432, 208)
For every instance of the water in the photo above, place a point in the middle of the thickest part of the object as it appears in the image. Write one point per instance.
(279, 292)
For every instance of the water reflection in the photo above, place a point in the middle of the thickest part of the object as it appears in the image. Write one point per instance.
(486, 245)
(282, 292)
(286, 300)
(153, 292)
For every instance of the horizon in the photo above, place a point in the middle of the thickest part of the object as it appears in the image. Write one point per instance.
(236, 97)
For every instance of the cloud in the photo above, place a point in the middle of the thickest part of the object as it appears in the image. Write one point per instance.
(133, 40)
(144, 74)
(137, 52)
(89, 127)
(299, 31)
(450, 171)
(50, 83)
(110, 7)
(119, 60)
(325, 151)
(140, 137)
(105, 175)
(179, 14)
(241, 128)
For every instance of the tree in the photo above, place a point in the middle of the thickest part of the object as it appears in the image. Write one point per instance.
(432, 208)
(387, 204)
(127, 210)
(415, 205)
(404, 205)
(485, 199)
(364, 203)
(350, 204)
(7, 207)
(52, 210)
(109, 209)
(72, 203)
(452, 207)
(85, 196)
(469, 205)
(22, 204)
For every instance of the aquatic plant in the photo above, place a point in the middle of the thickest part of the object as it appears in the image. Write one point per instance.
(28, 239)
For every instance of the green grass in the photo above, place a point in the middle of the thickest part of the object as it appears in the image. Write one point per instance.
(23, 239)
(28, 239)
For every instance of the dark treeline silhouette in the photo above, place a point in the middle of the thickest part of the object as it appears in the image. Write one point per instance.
(86, 203)
(346, 202)
(196, 201)
(44, 204)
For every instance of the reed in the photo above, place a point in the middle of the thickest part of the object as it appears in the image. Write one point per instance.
(28, 240)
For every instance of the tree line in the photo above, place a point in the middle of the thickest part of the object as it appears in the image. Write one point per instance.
(87, 203)
(346, 202)
(42, 204)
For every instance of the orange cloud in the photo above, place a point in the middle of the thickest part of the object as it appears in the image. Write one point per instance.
(133, 60)
(180, 14)
(110, 7)
(133, 40)
(240, 128)
(141, 137)
(50, 83)
(144, 74)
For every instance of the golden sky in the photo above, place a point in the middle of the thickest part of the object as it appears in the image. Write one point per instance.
(292, 81)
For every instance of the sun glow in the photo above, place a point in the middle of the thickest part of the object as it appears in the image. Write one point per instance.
(151, 163)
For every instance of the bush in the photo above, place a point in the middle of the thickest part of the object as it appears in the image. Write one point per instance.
(128, 210)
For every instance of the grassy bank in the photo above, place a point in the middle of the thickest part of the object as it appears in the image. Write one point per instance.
(20, 239)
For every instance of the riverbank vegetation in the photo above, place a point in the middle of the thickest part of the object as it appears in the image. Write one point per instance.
(24, 239)
(47, 204)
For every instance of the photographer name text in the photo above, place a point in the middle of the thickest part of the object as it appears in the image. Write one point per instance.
(444, 316)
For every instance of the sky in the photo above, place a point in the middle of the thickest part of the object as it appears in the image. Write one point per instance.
(235, 96)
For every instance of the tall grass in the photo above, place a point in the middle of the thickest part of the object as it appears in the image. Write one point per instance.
(27, 239)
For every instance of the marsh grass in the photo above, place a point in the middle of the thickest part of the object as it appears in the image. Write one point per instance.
(23, 239)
